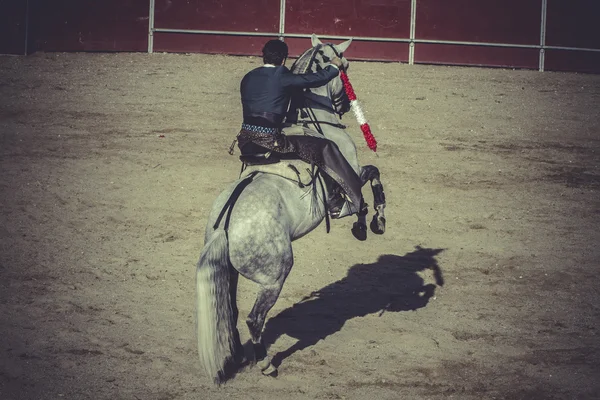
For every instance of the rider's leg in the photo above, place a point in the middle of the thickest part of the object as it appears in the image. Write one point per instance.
(325, 154)
(315, 150)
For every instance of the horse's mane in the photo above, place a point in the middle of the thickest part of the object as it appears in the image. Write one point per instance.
(303, 63)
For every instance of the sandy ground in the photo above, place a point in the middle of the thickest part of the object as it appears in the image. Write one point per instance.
(110, 163)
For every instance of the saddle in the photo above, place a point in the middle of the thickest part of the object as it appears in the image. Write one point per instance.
(256, 158)
(257, 155)
(304, 175)
(259, 158)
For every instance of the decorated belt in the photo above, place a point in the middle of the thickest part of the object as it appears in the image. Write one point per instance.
(259, 129)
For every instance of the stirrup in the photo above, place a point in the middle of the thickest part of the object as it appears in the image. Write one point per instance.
(342, 208)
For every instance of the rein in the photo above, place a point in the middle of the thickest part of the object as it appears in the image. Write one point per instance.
(348, 89)
(306, 122)
(317, 123)
(306, 109)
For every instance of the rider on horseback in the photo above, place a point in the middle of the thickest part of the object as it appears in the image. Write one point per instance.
(266, 93)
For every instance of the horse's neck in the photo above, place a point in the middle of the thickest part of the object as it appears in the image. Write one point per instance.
(331, 126)
(319, 102)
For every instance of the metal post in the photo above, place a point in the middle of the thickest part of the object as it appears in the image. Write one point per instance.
(151, 27)
(281, 19)
(543, 36)
(413, 26)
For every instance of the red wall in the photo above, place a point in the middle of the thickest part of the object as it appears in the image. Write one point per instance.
(122, 25)
(506, 21)
(573, 23)
(354, 18)
(13, 16)
(90, 25)
(374, 18)
(216, 15)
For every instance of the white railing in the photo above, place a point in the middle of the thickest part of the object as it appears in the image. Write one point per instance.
(411, 40)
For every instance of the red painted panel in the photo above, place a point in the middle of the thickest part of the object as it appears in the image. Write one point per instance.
(12, 26)
(122, 25)
(476, 55)
(573, 23)
(568, 60)
(380, 51)
(91, 25)
(374, 18)
(491, 21)
(211, 44)
(218, 15)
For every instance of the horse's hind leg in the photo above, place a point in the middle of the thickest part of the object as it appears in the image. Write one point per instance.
(266, 299)
(370, 173)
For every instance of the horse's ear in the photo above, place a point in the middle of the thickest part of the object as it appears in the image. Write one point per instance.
(315, 40)
(342, 47)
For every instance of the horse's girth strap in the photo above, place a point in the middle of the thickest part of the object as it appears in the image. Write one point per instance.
(228, 207)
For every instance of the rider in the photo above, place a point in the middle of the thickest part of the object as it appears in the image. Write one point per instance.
(266, 93)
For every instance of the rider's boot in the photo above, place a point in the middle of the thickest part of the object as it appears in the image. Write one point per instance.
(340, 206)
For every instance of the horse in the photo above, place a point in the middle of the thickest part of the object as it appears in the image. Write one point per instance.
(253, 223)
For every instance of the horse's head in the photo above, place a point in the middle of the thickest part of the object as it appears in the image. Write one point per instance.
(326, 51)
(317, 58)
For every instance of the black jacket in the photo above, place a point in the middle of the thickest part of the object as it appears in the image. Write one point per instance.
(266, 91)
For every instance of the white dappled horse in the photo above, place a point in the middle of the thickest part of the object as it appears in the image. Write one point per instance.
(254, 221)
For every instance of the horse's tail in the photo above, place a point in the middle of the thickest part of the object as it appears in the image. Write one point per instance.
(214, 317)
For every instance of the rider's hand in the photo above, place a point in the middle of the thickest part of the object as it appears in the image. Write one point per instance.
(337, 62)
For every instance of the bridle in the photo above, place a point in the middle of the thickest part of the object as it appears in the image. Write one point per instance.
(336, 102)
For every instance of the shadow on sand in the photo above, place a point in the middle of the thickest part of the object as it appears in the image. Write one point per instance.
(389, 285)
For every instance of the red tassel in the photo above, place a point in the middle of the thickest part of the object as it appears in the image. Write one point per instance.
(365, 128)
(371, 142)
(348, 86)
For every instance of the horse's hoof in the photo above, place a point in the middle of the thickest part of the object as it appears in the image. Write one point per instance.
(270, 371)
(264, 363)
(359, 230)
(377, 225)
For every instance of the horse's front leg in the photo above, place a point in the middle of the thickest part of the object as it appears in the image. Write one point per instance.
(370, 173)
(265, 300)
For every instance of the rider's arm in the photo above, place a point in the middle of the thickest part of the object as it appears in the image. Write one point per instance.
(310, 80)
